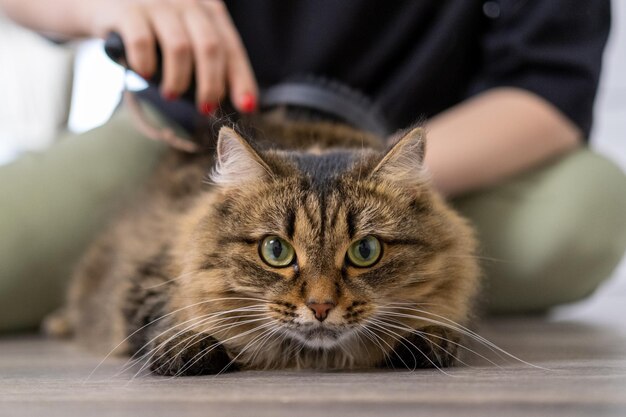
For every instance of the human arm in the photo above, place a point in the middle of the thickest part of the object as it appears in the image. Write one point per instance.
(493, 136)
(194, 35)
(532, 99)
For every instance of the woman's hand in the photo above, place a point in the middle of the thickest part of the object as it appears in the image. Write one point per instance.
(194, 36)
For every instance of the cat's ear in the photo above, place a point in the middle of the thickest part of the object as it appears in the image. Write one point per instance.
(237, 163)
(404, 161)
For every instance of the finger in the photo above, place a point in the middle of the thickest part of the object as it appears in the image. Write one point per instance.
(209, 59)
(239, 75)
(139, 43)
(175, 49)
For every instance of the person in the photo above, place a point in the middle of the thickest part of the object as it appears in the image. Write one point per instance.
(507, 87)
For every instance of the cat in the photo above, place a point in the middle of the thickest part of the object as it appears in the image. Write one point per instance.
(313, 245)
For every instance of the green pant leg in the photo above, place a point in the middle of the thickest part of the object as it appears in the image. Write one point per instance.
(551, 236)
(52, 203)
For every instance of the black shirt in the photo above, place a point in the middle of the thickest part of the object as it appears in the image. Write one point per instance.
(417, 58)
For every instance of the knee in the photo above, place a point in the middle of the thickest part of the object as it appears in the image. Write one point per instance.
(557, 235)
(593, 226)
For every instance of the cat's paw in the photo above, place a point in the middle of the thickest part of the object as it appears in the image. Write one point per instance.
(190, 354)
(429, 347)
(58, 325)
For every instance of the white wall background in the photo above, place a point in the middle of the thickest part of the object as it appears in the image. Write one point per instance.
(35, 82)
(609, 133)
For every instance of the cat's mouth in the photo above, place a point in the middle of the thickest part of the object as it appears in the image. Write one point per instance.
(319, 336)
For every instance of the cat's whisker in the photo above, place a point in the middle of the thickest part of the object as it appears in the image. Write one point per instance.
(451, 324)
(263, 343)
(258, 340)
(401, 340)
(198, 338)
(154, 351)
(140, 355)
(252, 308)
(358, 336)
(359, 339)
(388, 333)
(446, 319)
(348, 355)
(374, 338)
(403, 326)
(147, 356)
(482, 258)
(407, 303)
(410, 330)
(495, 349)
(296, 346)
(214, 330)
(163, 317)
(204, 317)
(203, 353)
(229, 326)
(196, 322)
(281, 335)
(195, 337)
(390, 348)
(271, 326)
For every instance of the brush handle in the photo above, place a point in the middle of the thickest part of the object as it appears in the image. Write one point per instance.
(116, 51)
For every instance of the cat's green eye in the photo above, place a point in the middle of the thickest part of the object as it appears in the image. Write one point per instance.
(276, 252)
(365, 252)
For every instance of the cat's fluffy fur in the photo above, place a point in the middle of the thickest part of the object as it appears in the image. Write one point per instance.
(179, 278)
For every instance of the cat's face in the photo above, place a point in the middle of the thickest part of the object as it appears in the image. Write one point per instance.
(327, 239)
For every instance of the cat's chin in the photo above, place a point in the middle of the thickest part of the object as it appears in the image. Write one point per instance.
(319, 337)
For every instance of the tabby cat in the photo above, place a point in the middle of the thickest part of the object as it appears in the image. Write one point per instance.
(312, 245)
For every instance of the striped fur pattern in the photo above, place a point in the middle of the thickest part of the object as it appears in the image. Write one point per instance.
(178, 282)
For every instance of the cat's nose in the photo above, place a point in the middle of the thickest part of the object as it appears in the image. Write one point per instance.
(320, 310)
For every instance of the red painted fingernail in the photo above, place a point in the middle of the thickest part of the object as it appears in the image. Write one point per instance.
(207, 108)
(170, 95)
(248, 103)
(146, 75)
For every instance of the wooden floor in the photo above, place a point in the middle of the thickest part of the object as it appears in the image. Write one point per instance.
(585, 354)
